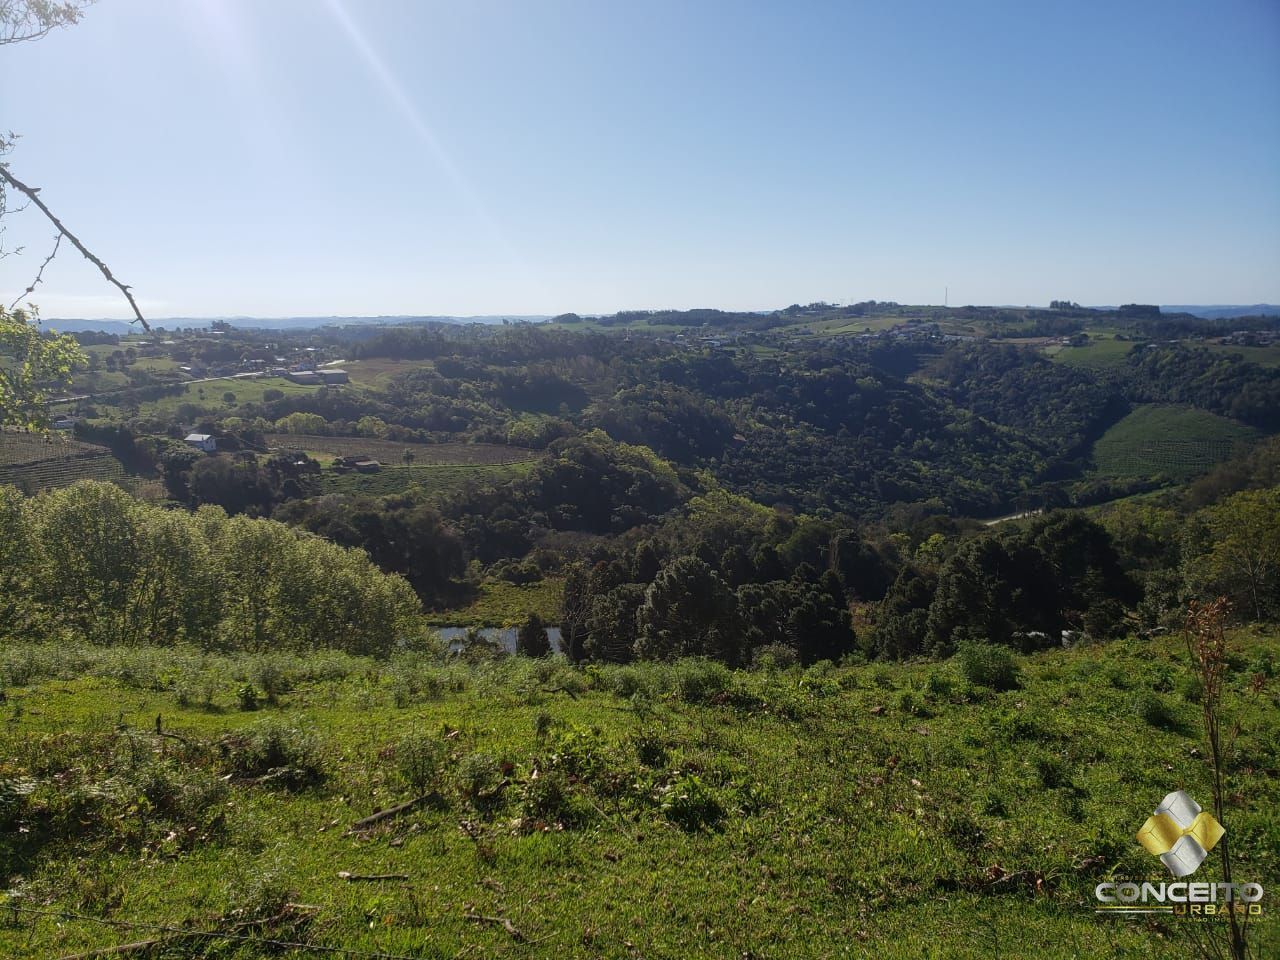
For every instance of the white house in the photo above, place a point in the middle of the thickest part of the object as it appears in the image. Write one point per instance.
(202, 441)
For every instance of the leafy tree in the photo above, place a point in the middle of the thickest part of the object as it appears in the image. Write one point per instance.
(763, 609)
(237, 485)
(575, 607)
(32, 363)
(862, 569)
(689, 611)
(611, 623)
(819, 622)
(1242, 561)
(402, 534)
(531, 639)
(902, 626)
(302, 423)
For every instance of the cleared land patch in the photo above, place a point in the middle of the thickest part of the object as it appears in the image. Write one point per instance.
(392, 451)
(1168, 440)
(438, 479)
(442, 469)
(1100, 353)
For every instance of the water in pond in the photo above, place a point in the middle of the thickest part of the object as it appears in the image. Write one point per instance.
(503, 636)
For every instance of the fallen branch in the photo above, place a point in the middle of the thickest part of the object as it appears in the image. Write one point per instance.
(561, 689)
(117, 951)
(33, 194)
(503, 922)
(386, 814)
(277, 774)
(350, 877)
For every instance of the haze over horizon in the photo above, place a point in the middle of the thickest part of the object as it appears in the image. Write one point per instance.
(396, 158)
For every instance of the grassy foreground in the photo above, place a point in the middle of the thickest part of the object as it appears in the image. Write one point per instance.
(648, 811)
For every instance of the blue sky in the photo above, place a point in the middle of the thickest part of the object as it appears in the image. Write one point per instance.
(301, 157)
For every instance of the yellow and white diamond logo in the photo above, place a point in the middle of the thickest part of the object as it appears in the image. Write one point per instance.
(1180, 834)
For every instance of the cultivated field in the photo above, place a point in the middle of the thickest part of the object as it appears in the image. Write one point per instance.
(1172, 441)
(34, 462)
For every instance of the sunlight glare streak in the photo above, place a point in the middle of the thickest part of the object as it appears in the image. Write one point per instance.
(395, 92)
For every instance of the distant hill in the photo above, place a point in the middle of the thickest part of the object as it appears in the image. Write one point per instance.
(1225, 311)
(74, 324)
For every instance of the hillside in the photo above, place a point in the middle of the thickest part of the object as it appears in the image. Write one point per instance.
(663, 811)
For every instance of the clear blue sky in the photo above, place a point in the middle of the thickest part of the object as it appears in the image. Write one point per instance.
(299, 157)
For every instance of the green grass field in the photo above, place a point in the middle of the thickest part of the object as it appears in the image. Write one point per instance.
(392, 451)
(502, 604)
(654, 811)
(378, 372)
(1263, 356)
(1102, 352)
(442, 469)
(439, 480)
(207, 395)
(1173, 441)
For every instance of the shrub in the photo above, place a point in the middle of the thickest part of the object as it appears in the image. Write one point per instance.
(986, 665)
(247, 697)
(13, 800)
(479, 775)
(908, 701)
(698, 680)
(1191, 688)
(259, 895)
(290, 755)
(1153, 709)
(549, 798)
(270, 675)
(579, 753)
(1051, 771)
(175, 792)
(651, 749)
(939, 684)
(1117, 676)
(775, 656)
(626, 682)
(420, 763)
(691, 805)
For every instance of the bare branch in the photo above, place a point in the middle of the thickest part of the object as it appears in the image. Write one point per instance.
(24, 20)
(33, 193)
(39, 274)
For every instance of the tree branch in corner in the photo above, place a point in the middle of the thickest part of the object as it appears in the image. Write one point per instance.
(33, 194)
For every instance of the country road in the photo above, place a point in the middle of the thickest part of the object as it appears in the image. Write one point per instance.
(108, 393)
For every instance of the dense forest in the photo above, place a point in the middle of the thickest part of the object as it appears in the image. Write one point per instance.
(814, 502)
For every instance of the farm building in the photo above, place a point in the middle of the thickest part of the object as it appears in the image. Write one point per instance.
(360, 463)
(201, 441)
